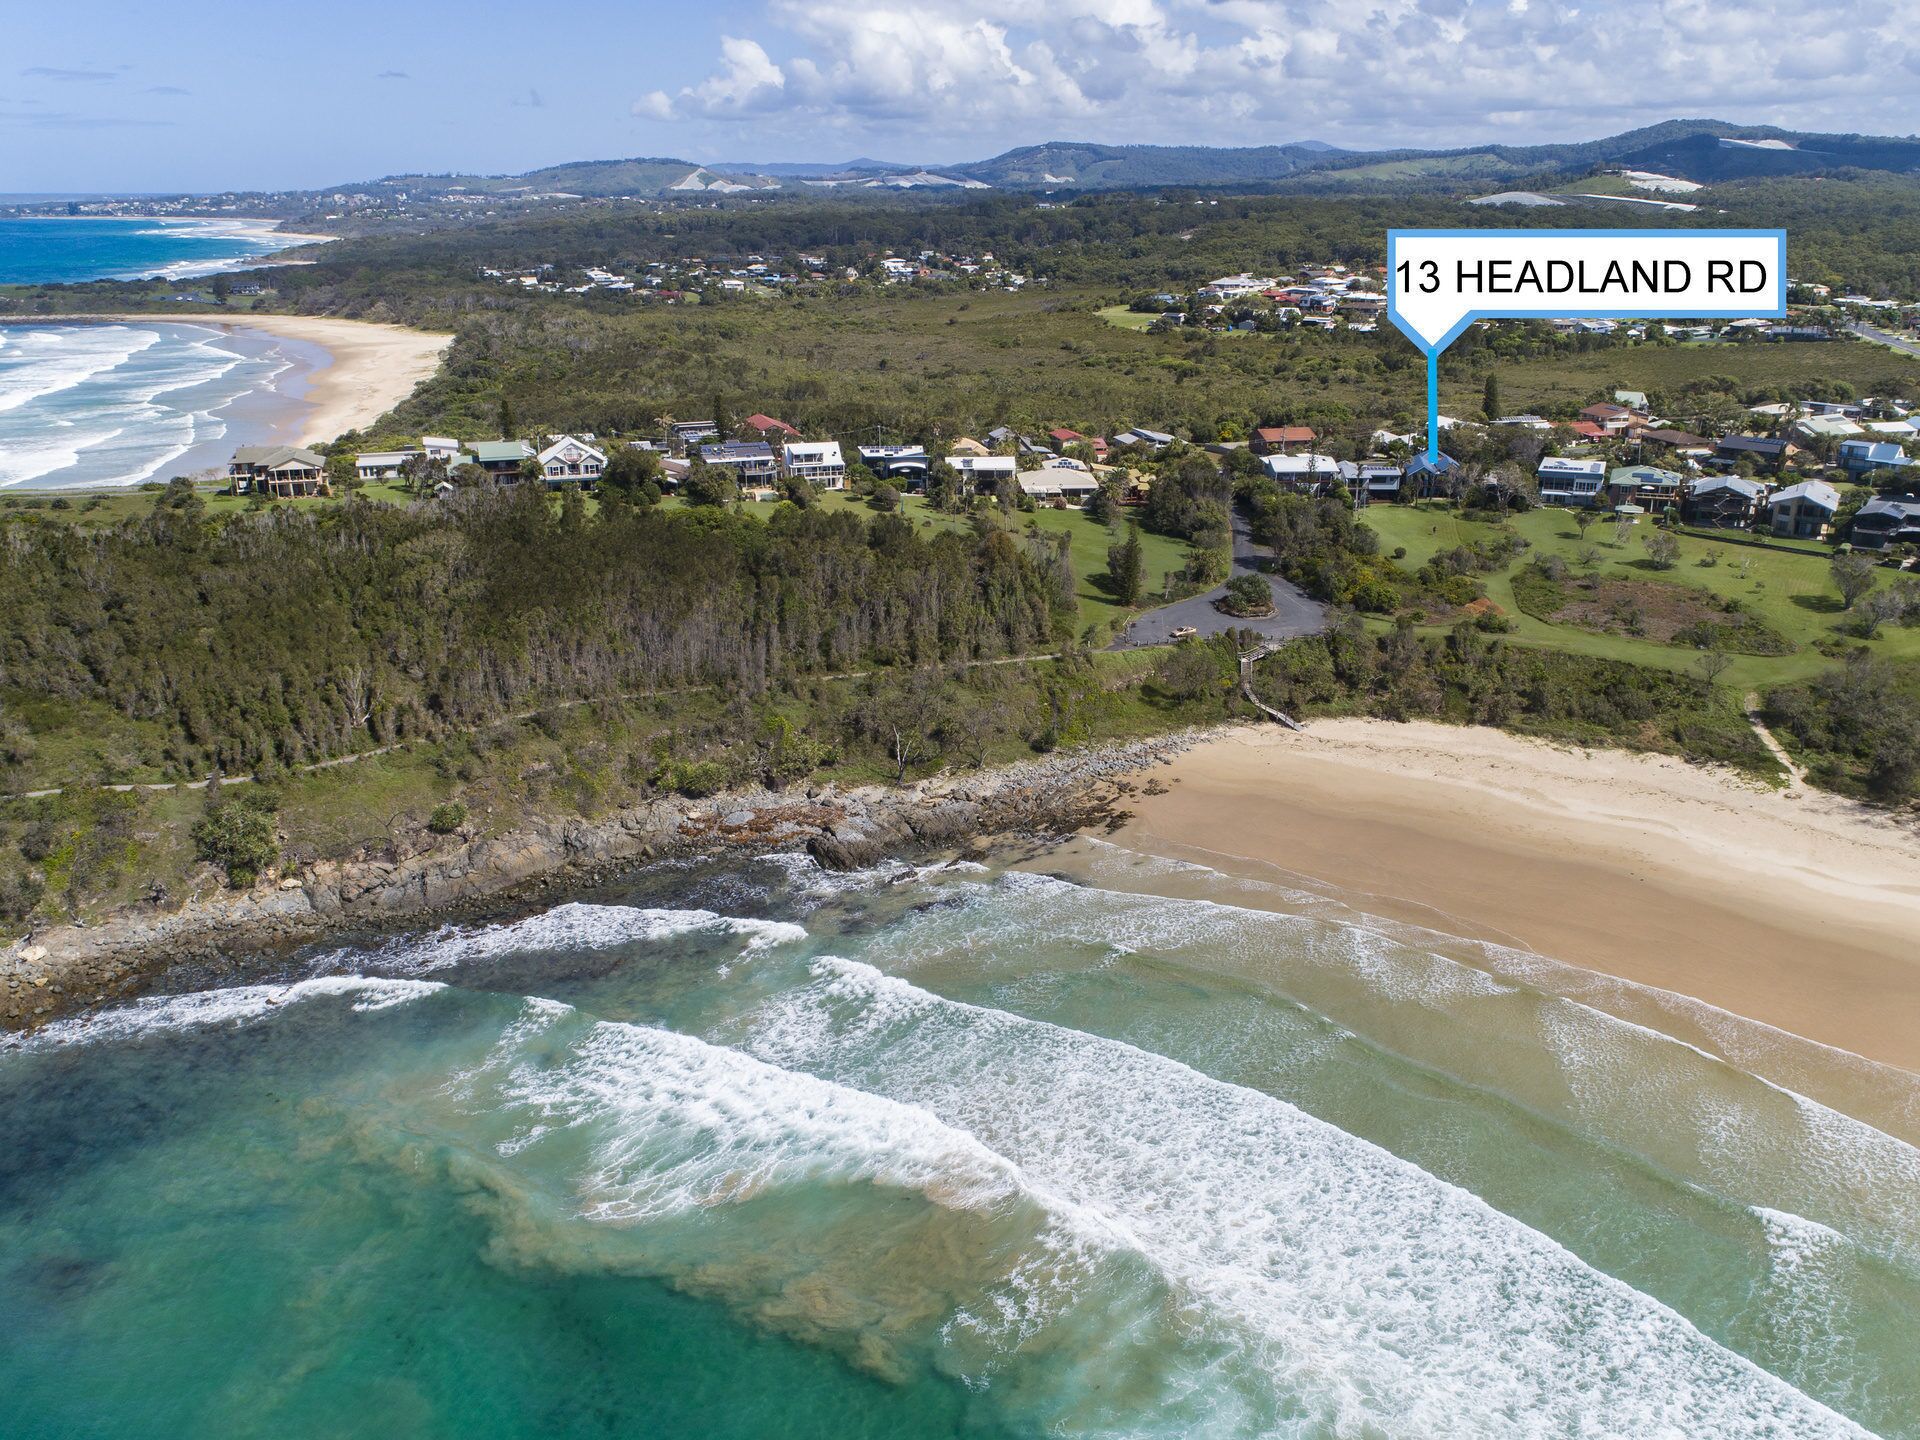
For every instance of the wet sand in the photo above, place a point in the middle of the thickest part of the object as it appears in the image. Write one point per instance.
(1797, 910)
(370, 367)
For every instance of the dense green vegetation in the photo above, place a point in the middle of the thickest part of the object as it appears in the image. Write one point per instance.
(289, 636)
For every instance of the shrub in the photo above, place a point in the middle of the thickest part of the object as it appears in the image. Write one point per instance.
(447, 817)
(237, 836)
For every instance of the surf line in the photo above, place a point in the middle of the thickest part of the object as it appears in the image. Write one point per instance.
(1440, 281)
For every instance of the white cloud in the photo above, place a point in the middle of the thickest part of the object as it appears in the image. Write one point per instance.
(959, 74)
(747, 83)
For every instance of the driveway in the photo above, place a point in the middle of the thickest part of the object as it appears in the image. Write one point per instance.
(1294, 612)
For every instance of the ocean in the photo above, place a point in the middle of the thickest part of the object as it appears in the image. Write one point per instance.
(68, 250)
(1094, 1145)
(97, 404)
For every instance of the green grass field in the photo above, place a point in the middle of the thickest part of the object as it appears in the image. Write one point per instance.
(1790, 591)
(1127, 319)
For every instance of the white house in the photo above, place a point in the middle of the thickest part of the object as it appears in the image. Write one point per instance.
(819, 462)
(1571, 482)
(976, 470)
(382, 464)
(1302, 472)
(569, 460)
(439, 447)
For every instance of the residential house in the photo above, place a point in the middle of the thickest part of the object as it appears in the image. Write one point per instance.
(1278, 439)
(1886, 520)
(768, 428)
(1804, 511)
(1766, 451)
(1863, 457)
(283, 471)
(818, 462)
(1587, 431)
(1525, 422)
(1680, 442)
(751, 461)
(1140, 435)
(896, 462)
(570, 460)
(383, 464)
(1722, 503)
(1826, 427)
(687, 433)
(967, 445)
(1059, 479)
(1565, 481)
(1307, 473)
(974, 470)
(1063, 437)
(1647, 486)
(1632, 399)
(502, 459)
(1379, 481)
(440, 447)
(1612, 419)
(1436, 476)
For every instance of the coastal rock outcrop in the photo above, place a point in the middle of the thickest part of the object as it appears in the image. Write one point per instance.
(224, 933)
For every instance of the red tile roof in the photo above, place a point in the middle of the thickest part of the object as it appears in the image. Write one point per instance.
(764, 423)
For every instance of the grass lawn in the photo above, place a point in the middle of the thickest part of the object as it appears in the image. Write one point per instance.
(110, 507)
(1790, 591)
(1126, 319)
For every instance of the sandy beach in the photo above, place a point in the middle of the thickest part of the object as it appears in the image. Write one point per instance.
(1794, 909)
(372, 368)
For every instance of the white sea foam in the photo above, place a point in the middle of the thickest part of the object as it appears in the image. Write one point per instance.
(1388, 1301)
(204, 1008)
(580, 926)
(117, 405)
(43, 360)
(1682, 1109)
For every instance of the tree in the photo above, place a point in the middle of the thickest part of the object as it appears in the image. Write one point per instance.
(884, 498)
(343, 472)
(506, 419)
(1663, 551)
(709, 485)
(1490, 397)
(722, 419)
(1583, 519)
(633, 473)
(1712, 663)
(1126, 568)
(531, 472)
(1852, 573)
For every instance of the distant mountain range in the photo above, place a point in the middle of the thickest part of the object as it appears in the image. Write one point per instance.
(1704, 151)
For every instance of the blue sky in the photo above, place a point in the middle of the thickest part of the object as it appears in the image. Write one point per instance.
(122, 96)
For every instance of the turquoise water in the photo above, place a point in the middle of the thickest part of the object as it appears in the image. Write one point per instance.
(1128, 1149)
(66, 250)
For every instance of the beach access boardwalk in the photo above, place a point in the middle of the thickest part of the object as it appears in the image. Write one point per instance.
(1295, 613)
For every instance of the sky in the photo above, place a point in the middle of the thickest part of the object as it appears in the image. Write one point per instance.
(104, 95)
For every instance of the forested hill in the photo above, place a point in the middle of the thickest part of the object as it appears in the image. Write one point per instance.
(289, 636)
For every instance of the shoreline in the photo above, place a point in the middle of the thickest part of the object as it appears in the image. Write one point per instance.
(241, 934)
(1795, 911)
(370, 368)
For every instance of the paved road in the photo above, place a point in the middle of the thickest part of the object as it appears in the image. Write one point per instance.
(1883, 337)
(1294, 613)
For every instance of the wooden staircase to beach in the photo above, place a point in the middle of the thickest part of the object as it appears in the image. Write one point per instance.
(1247, 659)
